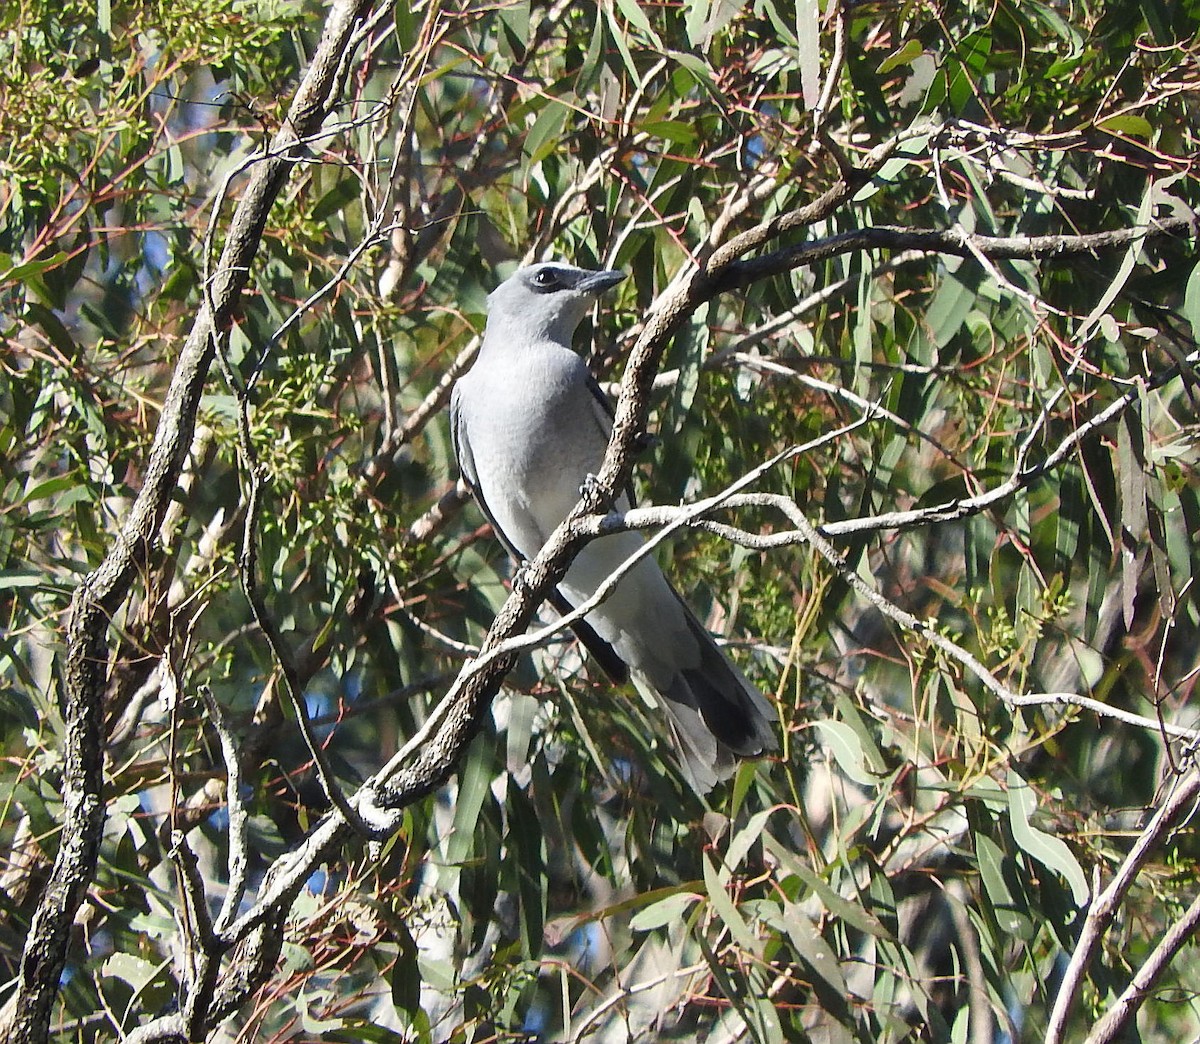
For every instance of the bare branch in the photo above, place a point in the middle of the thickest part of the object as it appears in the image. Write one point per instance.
(752, 362)
(1104, 908)
(807, 533)
(1112, 1026)
(239, 844)
(841, 34)
(954, 242)
(1022, 477)
(200, 960)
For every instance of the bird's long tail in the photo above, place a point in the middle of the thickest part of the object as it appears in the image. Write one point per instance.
(716, 714)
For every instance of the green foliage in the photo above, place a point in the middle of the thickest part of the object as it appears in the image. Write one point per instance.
(917, 856)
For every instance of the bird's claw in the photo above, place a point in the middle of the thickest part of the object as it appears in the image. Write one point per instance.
(520, 576)
(590, 486)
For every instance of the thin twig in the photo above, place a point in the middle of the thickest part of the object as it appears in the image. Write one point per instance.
(1022, 477)
(623, 993)
(807, 533)
(841, 34)
(239, 842)
(763, 365)
(285, 661)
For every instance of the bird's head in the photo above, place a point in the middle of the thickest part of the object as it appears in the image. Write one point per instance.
(547, 300)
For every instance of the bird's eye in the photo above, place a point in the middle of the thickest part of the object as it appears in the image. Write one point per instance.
(545, 279)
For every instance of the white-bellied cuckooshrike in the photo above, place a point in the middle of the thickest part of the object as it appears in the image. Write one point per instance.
(530, 425)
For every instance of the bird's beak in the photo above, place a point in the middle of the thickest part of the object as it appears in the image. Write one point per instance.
(598, 282)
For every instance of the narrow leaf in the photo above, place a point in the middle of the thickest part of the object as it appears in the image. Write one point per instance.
(746, 837)
(1191, 301)
(901, 56)
(1011, 915)
(1052, 852)
(1128, 125)
(843, 909)
(844, 744)
(814, 950)
(725, 910)
(19, 273)
(665, 911)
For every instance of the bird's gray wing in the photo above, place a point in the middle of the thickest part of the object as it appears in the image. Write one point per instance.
(466, 465)
(601, 651)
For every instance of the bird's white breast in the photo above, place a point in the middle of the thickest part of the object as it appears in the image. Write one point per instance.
(536, 441)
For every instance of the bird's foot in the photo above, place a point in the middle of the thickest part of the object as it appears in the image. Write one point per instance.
(520, 576)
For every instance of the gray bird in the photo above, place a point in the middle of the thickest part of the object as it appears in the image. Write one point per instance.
(530, 424)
